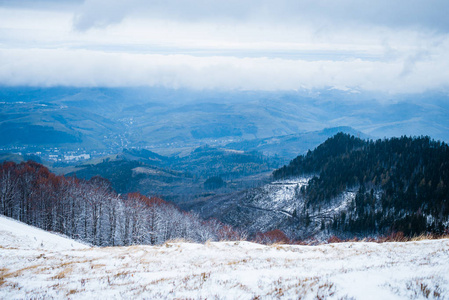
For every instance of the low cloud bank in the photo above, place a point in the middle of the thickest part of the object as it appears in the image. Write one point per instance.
(86, 68)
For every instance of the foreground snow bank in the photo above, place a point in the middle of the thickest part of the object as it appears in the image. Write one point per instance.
(17, 234)
(225, 270)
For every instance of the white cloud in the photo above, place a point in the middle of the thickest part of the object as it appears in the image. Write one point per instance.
(92, 68)
(227, 44)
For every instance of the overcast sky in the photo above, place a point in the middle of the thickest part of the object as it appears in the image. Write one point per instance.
(390, 46)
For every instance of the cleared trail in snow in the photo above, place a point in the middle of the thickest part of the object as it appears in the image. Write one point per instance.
(56, 267)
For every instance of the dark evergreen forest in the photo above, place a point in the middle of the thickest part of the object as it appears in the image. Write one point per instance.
(402, 183)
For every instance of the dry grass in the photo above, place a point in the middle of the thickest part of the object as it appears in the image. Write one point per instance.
(204, 276)
(71, 292)
(3, 272)
(423, 237)
(21, 271)
(63, 273)
(424, 287)
(278, 245)
(159, 281)
(399, 237)
(70, 262)
(191, 282)
(175, 241)
(97, 266)
(393, 237)
(123, 274)
(237, 262)
(302, 288)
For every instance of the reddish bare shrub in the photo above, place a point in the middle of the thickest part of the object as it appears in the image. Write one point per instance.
(272, 237)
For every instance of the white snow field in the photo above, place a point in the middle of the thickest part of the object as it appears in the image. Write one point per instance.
(35, 264)
(15, 234)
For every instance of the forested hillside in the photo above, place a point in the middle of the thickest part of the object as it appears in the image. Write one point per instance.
(402, 183)
(180, 179)
(89, 210)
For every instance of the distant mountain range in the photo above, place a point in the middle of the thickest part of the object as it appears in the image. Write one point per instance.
(173, 122)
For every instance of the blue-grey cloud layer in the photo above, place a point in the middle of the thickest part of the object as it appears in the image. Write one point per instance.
(431, 14)
(400, 13)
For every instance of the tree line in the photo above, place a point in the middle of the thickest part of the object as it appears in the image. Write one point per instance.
(91, 211)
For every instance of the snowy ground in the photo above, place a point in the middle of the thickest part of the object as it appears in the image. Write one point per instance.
(35, 264)
(280, 196)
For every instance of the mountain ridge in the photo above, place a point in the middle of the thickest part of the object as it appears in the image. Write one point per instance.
(351, 187)
(173, 120)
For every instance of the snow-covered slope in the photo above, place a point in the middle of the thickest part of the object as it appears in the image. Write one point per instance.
(15, 234)
(277, 205)
(223, 270)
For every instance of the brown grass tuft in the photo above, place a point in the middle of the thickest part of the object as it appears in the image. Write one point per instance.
(20, 271)
(63, 273)
(3, 272)
(71, 292)
(176, 241)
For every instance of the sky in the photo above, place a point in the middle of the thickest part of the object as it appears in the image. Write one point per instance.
(399, 46)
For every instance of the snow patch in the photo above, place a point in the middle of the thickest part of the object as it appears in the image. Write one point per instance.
(17, 234)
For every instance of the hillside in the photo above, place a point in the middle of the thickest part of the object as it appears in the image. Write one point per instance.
(48, 124)
(289, 146)
(401, 183)
(17, 234)
(180, 179)
(224, 270)
(347, 187)
(275, 205)
(91, 211)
